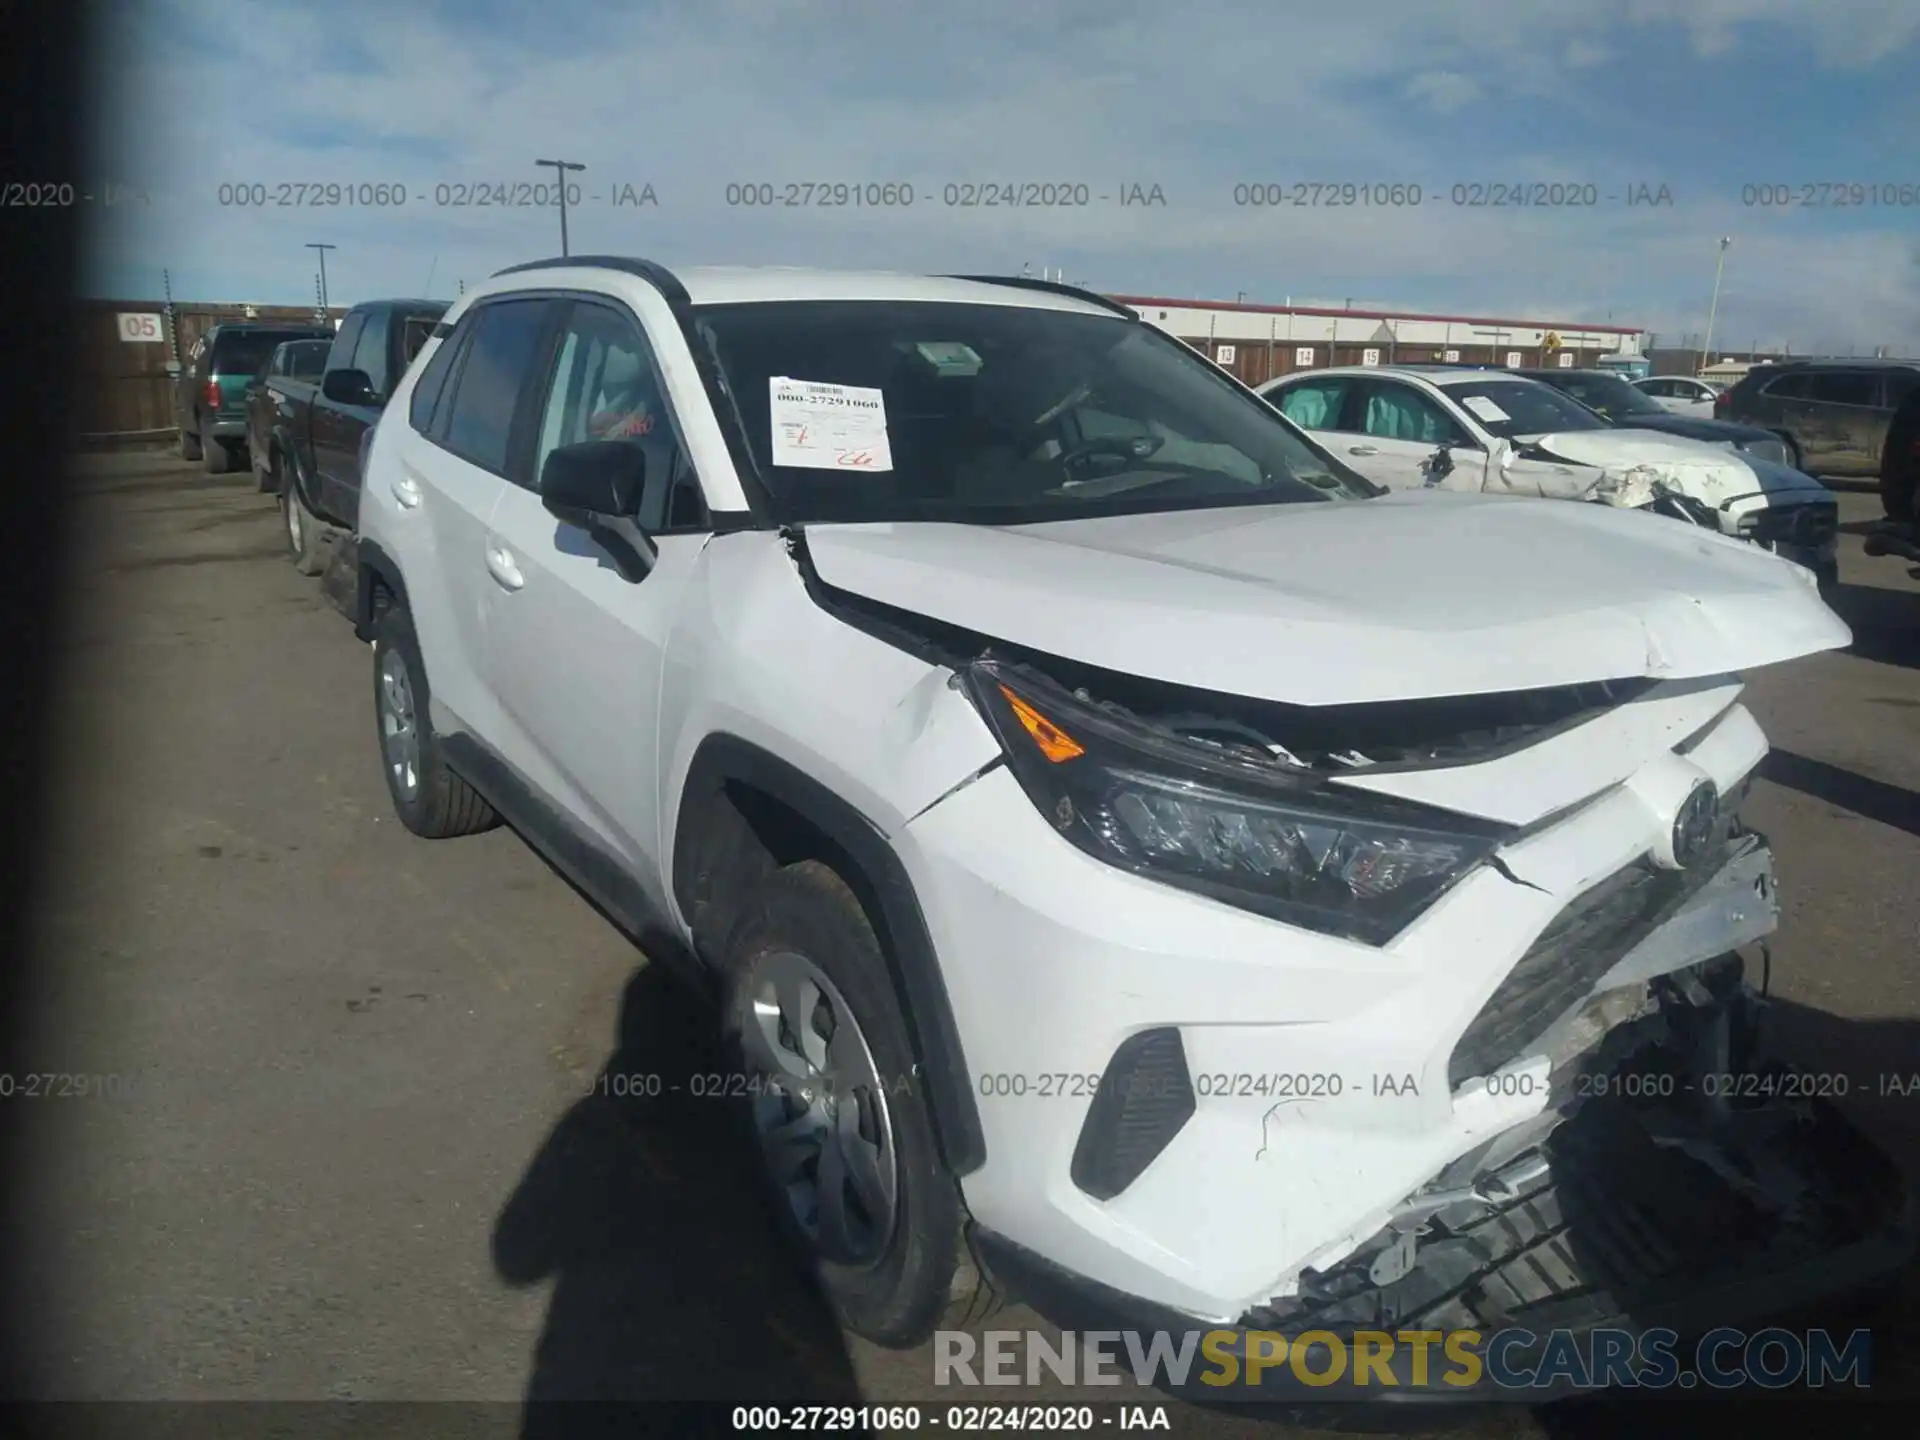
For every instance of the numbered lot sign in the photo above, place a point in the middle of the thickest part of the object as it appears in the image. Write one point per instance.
(1369, 357)
(1303, 355)
(142, 329)
(1224, 355)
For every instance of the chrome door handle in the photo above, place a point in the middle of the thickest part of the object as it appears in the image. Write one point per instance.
(406, 490)
(501, 566)
(1362, 450)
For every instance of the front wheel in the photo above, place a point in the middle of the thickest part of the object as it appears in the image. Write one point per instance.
(430, 799)
(846, 1142)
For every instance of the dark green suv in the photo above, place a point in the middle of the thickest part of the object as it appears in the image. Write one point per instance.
(210, 398)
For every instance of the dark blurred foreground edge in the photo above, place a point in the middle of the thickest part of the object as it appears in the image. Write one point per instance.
(42, 46)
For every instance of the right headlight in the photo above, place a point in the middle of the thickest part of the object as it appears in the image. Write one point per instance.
(1250, 833)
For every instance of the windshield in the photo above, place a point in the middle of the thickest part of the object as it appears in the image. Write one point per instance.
(245, 352)
(1510, 407)
(1609, 394)
(997, 414)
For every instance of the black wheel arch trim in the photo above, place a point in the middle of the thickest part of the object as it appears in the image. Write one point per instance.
(374, 565)
(906, 941)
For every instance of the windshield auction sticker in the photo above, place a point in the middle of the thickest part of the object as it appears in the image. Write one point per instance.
(1485, 409)
(828, 427)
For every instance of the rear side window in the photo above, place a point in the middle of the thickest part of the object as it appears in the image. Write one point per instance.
(1787, 387)
(305, 359)
(1843, 387)
(499, 361)
(433, 380)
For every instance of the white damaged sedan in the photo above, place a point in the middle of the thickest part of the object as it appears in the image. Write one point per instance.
(1487, 430)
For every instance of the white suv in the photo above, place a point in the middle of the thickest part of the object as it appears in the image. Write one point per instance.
(1145, 861)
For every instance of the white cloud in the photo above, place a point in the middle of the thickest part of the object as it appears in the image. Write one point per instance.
(1445, 90)
(1194, 98)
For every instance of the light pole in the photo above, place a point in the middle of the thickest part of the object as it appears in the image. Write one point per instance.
(560, 169)
(323, 270)
(1706, 346)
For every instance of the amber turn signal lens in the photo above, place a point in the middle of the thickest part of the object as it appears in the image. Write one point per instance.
(1054, 742)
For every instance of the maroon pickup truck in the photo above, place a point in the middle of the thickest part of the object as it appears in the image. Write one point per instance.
(314, 429)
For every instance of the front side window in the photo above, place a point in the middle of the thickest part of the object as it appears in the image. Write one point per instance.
(1897, 386)
(370, 354)
(996, 414)
(499, 360)
(1399, 412)
(1789, 387)
(1513, 409)
(346, 339)
(605, 386)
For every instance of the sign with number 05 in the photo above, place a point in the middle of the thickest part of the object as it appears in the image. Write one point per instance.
(138, 328)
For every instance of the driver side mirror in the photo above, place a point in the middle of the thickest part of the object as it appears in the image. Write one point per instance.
(596, 486)
(349, 387)
(1439, 465)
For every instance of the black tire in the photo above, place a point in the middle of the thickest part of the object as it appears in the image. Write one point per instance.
(1900, 461)
(215, 456)
(190, 444)
(306, 536)
(441, 805)
(900, 1298)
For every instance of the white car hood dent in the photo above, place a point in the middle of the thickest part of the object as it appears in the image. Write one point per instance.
(1630, 463)
(1412, 595)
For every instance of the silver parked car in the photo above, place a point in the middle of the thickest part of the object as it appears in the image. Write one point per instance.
(1834, 412)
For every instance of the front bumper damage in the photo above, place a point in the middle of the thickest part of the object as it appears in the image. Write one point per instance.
(1677, 1179)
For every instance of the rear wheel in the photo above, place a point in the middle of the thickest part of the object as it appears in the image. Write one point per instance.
(846, 1143)
(189, 444)
(305, 536)
(429, 798)
(215, 455)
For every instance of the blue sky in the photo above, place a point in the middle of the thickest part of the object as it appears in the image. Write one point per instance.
(1703, 97)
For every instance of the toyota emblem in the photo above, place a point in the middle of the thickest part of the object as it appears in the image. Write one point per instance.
(1695, 825)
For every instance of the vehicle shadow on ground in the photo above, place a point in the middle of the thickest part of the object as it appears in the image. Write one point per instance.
(1885, 623)
(1876, 1063)
(644, 1209)
(1862, 794)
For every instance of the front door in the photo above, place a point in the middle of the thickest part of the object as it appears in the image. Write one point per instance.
(1396, 431)
(576, 650)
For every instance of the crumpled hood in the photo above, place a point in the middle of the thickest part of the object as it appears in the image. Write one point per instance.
(1415, 594)
(1631, 460)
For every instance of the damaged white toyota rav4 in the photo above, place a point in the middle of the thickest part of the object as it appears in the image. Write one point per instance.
(1153, 871)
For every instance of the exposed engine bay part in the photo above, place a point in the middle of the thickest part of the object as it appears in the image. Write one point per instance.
(1648, 1201)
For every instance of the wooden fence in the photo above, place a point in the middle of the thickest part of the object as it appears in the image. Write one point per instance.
(126, 388)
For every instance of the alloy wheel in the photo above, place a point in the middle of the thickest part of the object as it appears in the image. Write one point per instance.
(399, 724)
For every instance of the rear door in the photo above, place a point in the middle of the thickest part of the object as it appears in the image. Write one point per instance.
(576, 649)
(452, 459)
(1841, 428)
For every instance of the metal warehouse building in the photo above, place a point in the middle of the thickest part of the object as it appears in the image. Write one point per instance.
(1258, 342)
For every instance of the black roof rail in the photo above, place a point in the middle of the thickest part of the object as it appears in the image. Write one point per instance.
(1051, 287)
(654, 273)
